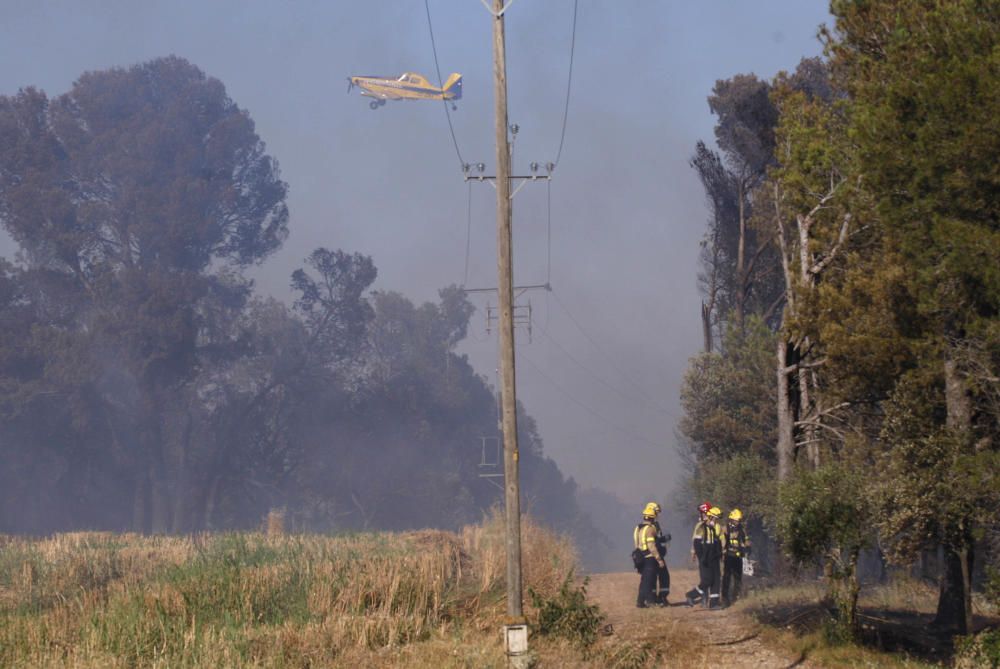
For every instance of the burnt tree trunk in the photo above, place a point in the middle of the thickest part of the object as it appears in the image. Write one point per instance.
(954, 609)
(706, 326)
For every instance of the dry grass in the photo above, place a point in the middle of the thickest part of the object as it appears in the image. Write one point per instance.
(901, 593)
(268, 599)
(893, 616)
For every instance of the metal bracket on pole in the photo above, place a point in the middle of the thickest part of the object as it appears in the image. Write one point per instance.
(523, 179)
(521, 315)
(502, 9)
(489, 463)
(518, 290)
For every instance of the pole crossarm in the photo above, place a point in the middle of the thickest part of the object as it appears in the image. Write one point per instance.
(523, 179)
(517, 289)
(486, 177)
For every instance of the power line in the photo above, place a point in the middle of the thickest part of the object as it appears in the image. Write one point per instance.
(590, 410)
(437, 68)
(594, 375)
(569, 83)
(635, 385)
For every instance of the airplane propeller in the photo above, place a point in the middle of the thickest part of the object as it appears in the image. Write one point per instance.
(350, 84)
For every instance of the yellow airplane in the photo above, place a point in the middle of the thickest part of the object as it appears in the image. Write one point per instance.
(408, 86)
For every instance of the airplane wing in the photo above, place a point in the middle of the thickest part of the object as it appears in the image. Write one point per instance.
(381, 94)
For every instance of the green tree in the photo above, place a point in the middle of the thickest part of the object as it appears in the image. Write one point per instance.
(822, 514)
(737, 275)
(924, 79)
(728, 397)
(133, 189)
(809, 195)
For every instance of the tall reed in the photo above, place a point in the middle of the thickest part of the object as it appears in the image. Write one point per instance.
(259, 600)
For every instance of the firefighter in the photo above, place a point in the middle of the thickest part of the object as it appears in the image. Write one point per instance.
(696, 539)
(708, 546)
(662, 573)
(645, 539)
(696, 535)
(737, 547)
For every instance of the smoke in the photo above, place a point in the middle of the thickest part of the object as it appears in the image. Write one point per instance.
(627, 212)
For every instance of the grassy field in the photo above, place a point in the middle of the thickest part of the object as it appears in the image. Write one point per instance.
(414, 599)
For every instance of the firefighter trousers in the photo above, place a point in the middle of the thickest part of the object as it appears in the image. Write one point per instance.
(663, 581)
(710, 577)
(647, 583)
(732, 579)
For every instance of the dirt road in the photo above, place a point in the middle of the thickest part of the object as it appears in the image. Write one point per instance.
(687, 637)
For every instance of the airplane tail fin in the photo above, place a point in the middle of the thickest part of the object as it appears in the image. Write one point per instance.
(453, 87)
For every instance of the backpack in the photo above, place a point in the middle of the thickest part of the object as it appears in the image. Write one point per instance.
(638, 555)
(637, 559)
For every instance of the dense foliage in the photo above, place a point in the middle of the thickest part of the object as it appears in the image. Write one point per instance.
(879, 206)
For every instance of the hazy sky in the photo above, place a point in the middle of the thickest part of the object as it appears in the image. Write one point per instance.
(602, 370)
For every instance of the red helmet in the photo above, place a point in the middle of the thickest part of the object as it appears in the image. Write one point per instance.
(704, 507)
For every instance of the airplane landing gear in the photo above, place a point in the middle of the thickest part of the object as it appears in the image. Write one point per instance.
(454, 107)
(373, 104)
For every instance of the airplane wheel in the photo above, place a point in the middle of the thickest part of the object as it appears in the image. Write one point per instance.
(454, 107)
(373, 104)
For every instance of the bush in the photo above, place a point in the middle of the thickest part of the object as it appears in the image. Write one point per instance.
(981, 650)
(568, 614)
(822, 515)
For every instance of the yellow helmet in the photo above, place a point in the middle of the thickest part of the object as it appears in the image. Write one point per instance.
(652, 509)
(735, 514)
(715, 512)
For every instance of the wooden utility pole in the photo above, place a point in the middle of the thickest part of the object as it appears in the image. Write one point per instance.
(505, 288)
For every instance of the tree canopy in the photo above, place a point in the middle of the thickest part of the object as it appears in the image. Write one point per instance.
(879, 201)
(144, 384)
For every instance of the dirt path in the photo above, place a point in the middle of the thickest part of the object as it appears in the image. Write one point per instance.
(688, 637)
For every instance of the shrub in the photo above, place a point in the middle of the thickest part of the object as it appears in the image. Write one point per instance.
(822, 515)
(567, 614)
(981, 650)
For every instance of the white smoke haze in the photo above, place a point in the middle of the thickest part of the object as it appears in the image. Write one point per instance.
(627, 211)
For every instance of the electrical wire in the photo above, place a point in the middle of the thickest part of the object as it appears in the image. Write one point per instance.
(590, 410)
(437, 68)
(569, 84)
(597, 377)
(635, 385)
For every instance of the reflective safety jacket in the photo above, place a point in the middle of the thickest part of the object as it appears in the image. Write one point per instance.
(707, 542)
(737, 542)
(645, 536)
(661, 540)
(696, 537)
